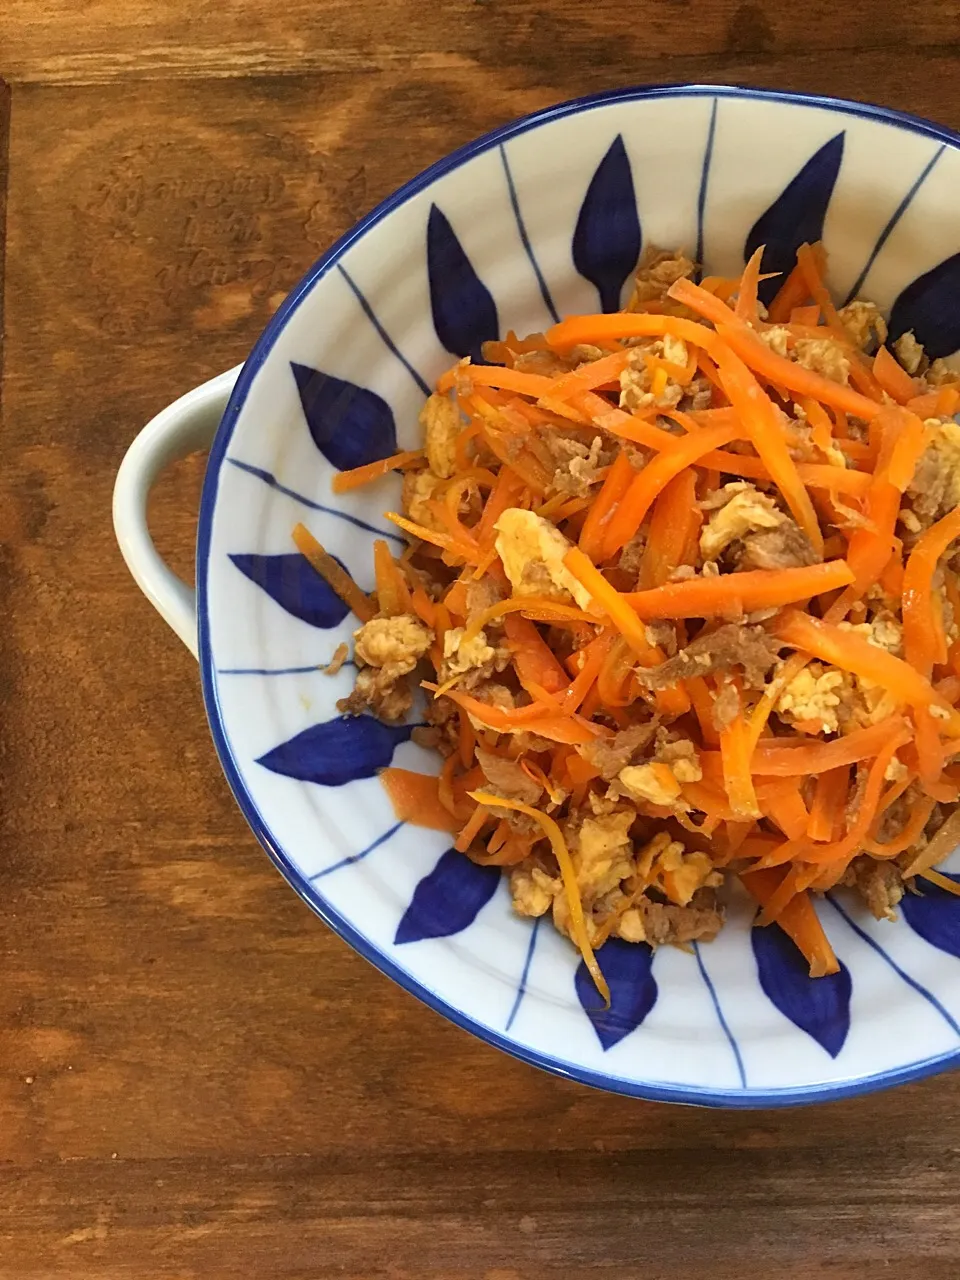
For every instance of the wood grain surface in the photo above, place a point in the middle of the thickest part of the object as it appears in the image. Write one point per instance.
(197, 1079)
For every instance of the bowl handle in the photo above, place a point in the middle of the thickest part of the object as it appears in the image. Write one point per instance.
(188, 424)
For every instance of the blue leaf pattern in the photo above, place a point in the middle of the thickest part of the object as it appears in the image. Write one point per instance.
(818, 1006)
(464, 313)
(633, 990)
(349, 425)
(337, 751)
(448, 899)
(930, 307)
(935, 915)
(607, 239)
(296, 586)
(796, 216)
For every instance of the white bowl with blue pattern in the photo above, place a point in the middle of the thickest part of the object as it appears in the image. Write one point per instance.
(542, 218)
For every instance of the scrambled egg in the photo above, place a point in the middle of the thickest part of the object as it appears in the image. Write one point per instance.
(532, 551)
(884, 632)
(651, 783)
(909, 352)
(396, 644)
(814, 693)
(680, 874)
(419, 490)
(746, 511)
(863, 322)
(823, 356)
(440, 419)
(460, 658)
(637, 387)
(833, 698)
(533, 890)
(776, 338)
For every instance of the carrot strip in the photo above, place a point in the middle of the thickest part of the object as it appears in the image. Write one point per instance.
(848, 845)
(474, 825)
(503, 379)
(648, 483)
(674, 525)
(737, 780)
(892, 377)
(621, 324)
(919, 623)
(578, 925)
(909, 833)
(851, 652)
(615, 485)
(764, 425)
(393, 594)
(614, 605)
(784, 805)
(333, 573)
(746, 308)
(733, 594)
(590, 376)
(765, 362)
(532, 656)
(345, 481)
(809, 758)
(829, 797)
(415, 799)
(798, 920)
(794, 290)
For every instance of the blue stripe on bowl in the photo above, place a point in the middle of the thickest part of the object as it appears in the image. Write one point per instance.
(389, 343)
(921, 990)
(702, 194)
(894, 219)
(525, 239)
(731, 1039)
(273, 483)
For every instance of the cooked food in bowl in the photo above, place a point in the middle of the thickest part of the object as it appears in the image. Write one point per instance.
(680, 590)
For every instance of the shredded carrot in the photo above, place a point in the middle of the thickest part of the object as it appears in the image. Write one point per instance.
(415, 798)
(893, 378)
(829, 799)
(471, 829)
(798, 919)
(674, 527)
(919, 623)
(333, 573)
(615, 485)
(393, 594)
(345, 481)
(851, 652)
(762, 420)
(578, 925)
(648, 483)
(732, 595)
(941, 881)
(737, 779)
(553, 675)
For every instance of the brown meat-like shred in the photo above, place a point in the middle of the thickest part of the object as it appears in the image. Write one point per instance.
(732, 645)
(663, 923)
(880, 884)
(613, 754)
(726, 706)
(507, 778)
(786, 547)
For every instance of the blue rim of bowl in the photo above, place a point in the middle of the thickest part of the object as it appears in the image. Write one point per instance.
(650, 1090)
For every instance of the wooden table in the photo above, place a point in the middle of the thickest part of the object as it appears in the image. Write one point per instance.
(197, 1079)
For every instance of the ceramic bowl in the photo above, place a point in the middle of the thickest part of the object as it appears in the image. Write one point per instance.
(543, 217)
